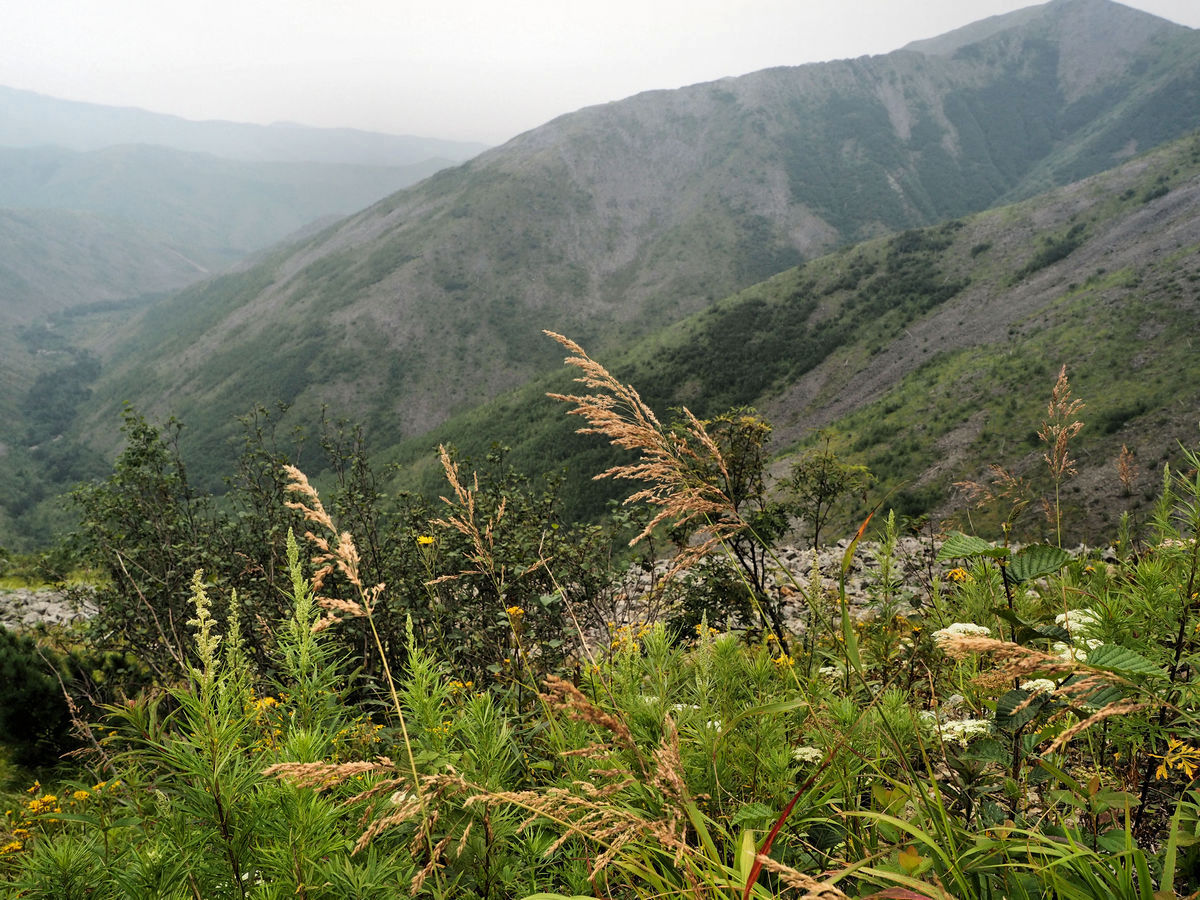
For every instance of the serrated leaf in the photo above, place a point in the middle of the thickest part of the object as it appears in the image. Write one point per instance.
(1122, 660)
(986, 750)
(959, 546)
(1036, 561)
(1009, 717)
(755, 814)
(1054, 633)
(1101, 697)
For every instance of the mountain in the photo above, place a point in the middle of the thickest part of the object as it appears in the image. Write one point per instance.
(930, 354)
(619, 219)
(108, 222)
(28, 119)
(52, 260)
(215, 210)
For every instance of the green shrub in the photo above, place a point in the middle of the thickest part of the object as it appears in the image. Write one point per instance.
(35, 721)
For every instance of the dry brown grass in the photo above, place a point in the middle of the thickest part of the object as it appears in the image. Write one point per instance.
(1062, 423)
(1018, 662)
(593, 811)
(335, 551)
(668, 463)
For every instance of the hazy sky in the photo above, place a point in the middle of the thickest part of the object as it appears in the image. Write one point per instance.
(468, 69)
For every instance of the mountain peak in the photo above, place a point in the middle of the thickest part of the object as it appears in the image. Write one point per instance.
(1116, 23)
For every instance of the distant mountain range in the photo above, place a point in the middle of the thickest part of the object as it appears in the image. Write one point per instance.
(215, 211)
(28, 119)
(210, 192)
(106, 209)
(617, 221)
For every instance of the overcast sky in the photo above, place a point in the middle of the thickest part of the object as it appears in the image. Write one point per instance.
(469, 69)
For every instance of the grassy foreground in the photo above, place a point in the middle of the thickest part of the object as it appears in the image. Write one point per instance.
(1023, 726)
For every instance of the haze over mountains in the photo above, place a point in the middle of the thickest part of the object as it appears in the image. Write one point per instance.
(28, 119)
(615, 221)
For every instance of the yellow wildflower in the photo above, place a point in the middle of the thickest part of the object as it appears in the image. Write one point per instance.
(958, 575)
(45, 803)
(1178, 756)
(425, 540)
(515, 611)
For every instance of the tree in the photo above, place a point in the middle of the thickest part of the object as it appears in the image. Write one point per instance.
(741, 436)
(148, 530)
(818, 480)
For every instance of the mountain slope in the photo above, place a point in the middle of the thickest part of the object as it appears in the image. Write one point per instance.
(215, 210)
(621, 218)
(930, 354)
(51, 260)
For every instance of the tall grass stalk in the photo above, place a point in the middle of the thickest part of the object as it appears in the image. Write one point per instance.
(337, 552)
(1062, 423)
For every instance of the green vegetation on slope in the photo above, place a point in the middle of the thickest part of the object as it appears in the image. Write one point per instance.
(613, 222)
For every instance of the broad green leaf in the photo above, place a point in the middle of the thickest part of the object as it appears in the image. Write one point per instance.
(1122, 660)
(1054, 633)
(756, 814)
(986, 749)
(1026, 632)
(958, 545)
(1108, 799)
(1010, 715)
(1101, 697)
(1037, 560)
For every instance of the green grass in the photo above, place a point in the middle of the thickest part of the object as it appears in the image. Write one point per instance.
(881, 753)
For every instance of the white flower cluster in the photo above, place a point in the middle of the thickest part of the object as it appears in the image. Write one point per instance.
(1039, 686)
(810, 755)
(965, 629)
(1078, 652)
(1077, 621)
(1080, 623)
(959, 731)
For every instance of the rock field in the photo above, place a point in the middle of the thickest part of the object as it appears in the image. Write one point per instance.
(27, 607)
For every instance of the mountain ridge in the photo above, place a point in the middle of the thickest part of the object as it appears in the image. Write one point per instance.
(28, 118)
(218, 210)
(962, 328)
(618, 218)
